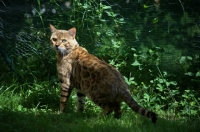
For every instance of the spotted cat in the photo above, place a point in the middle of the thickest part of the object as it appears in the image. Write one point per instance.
(99, 81)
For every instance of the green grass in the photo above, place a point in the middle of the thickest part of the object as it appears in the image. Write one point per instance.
(14, 117)
(27, 121)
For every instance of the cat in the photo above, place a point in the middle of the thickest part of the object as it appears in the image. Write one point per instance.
(99, 81)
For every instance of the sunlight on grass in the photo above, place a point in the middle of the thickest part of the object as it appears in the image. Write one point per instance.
(16, 118)
(32, 122)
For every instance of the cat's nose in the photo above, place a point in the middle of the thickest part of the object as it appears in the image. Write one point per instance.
(56, 45)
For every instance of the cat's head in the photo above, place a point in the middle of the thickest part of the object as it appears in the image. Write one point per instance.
(63, 41)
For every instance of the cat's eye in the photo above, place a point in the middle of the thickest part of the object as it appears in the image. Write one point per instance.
(64, 40)
(54, 39)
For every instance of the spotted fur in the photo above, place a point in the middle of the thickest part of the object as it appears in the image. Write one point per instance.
(99, 81)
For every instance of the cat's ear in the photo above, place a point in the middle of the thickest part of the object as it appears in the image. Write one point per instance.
(52, 28)
(72, 32)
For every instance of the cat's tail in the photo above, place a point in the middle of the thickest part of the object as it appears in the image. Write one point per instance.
(126, 96)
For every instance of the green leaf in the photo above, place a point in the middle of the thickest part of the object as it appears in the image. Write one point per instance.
(146, 96)
(168, 83)
(19, 108)
(145, 6)
(85, 6)
(135, 55)
(162, 97)
(189, 74)
(189, 57)
(155, 20)
(151, 52)
(182, 60)
(160, 87)
(111, 14)
(198, 74)
(106, 7)
(103, 20)
(173, 83)
(121, 19)
(136, 63)
(98, 33)
(153, 99)
(133, 49)
(160, 80)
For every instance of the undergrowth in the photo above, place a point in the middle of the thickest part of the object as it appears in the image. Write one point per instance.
(15, 117)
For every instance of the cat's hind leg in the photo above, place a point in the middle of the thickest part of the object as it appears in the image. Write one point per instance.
(80, 101)
(107, 108)
(117, 110)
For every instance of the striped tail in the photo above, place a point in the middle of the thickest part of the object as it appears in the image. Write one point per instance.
(126, 96)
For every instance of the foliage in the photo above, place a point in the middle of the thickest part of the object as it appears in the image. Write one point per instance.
(159, 92)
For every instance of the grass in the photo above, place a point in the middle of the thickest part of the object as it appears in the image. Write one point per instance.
(29, 121)
(14, 117)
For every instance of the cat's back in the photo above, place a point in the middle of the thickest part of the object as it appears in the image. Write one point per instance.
(91, 63)
(89, 67)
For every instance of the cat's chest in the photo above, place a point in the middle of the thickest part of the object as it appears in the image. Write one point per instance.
(64, 67)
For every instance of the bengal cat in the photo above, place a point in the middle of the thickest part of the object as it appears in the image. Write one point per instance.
(91, 77)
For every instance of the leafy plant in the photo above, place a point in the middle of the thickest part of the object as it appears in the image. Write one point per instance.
(189, 104)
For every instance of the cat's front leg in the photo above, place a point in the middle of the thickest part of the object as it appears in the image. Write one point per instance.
(65, 92)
